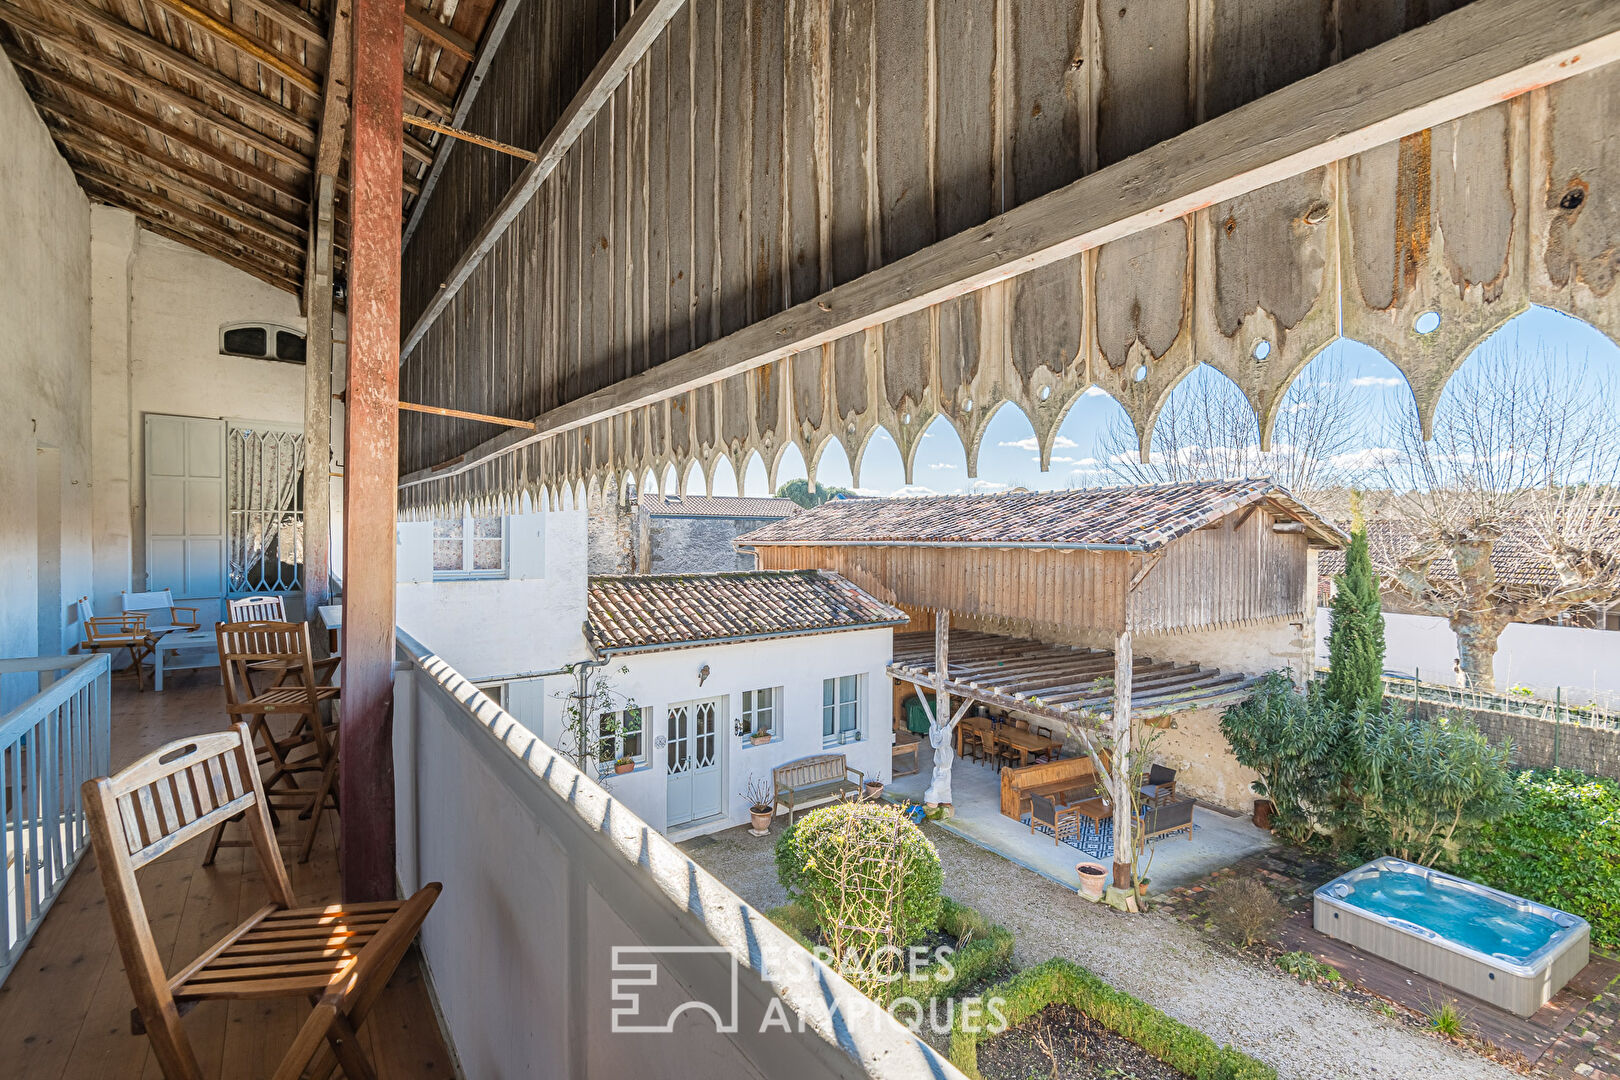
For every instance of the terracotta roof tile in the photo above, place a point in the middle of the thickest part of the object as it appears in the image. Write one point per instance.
(1141, 518)
(723, 506)
(636, 612)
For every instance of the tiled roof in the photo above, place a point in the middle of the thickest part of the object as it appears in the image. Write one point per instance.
(635, 612)
(721, 506)
(1513, 557)
(1133, 518)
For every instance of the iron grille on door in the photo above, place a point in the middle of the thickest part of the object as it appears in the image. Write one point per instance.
(265, 482)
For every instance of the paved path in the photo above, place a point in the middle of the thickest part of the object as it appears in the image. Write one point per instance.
(1302, 1031)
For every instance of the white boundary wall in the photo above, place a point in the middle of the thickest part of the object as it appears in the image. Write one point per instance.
(545, 874)
(1586, 663)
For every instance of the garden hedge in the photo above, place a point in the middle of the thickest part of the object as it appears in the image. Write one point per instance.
(1060, 981)
(1560, 847)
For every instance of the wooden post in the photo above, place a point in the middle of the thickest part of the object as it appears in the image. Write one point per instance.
(1123, 796)
(366, 776)
(942, 663)
(940, 727)
(318, 400)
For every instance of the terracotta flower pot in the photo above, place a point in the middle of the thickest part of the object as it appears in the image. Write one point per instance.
(761, 739)
(1263, 809)
(623, 767)
(874, 791)
(1093, 879)
(762, 818)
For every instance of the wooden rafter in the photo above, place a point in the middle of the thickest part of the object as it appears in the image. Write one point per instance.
(67, 44)
(231, 257)
(429, 27)
(258, 51)
(469, 137)
(272, 246)
(152, 207)
(419, 92)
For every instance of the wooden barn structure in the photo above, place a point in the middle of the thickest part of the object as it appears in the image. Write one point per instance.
(1030, 574)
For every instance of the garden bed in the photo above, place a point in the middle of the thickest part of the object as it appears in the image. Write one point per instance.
(1027, 997)
(1064, 1043)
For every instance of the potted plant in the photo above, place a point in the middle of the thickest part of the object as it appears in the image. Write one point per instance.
(1142, 886)
(761, 796)
(1093, 879)
(760, 737)
(624, 765)
(1263, 809)
(874, 788)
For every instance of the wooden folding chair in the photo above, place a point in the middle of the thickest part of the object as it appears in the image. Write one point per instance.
(312, 743)
(126, 631)
(338, 956)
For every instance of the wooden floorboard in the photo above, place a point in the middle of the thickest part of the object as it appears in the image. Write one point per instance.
(64, 1012)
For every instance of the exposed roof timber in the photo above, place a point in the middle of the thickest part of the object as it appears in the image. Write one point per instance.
(1483, 53)
(494, 34)
(640, 31)
(123, 108)
(335, 96)
(61, 41)
(428, 26)
(271, 244)
(469, 137)
(255, 104)
(242, 261)
(258, 51)
(291, 18)
(151, 207)
(428, 97)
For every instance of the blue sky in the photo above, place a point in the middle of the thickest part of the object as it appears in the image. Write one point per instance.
(1008, 456)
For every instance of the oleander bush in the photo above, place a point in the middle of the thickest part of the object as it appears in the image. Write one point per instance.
(1061, 981)
(1560, 847)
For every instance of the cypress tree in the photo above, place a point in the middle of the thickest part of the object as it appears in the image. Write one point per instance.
(1356, 632)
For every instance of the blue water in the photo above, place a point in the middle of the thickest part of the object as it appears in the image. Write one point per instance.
(1480, 921)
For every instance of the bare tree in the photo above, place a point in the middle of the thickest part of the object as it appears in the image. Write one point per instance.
(1523, 466)
(1208, 431)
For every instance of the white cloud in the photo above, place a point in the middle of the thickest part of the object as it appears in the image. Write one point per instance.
(987, 486)
(1095, 391)
(912, 491)
(1058, 459)
(1370, 458)
(1375, 380)
(938, 465)
(871, 492)
(1062, 442)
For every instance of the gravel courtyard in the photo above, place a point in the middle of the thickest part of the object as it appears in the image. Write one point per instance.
(1302, 1031)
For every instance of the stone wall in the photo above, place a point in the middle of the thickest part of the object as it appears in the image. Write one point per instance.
(610, 532)
(1541, 742)
(695, 545)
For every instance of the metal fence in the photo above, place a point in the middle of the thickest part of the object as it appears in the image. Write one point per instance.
(49, 745)
(1536, 708)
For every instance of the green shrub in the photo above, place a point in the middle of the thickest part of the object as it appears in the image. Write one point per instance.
(982, 948)
(1356, 633)
(1560, 847)
(825, 858)
(1063, 982)
(797, 919)
(1430, 785)
(1307, 968)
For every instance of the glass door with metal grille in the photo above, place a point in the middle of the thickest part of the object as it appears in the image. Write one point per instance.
(265, 504)
(692, 751)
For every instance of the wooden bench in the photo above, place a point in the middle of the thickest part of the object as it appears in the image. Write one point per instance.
(814, 779)
(1076, 774)
(904, 754)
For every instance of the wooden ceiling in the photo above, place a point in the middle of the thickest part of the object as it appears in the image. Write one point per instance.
(205, 117)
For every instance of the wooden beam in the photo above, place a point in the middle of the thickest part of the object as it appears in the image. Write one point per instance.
(639, 33)
(257, 51)
(291, 18)
(1476, 56)
(1124, 798)
(424, 23)
(181, 64)
(1248, 512)
(334, 130)
(467, 136)
(289, 240)
(417, 149)
(471, 81)
(1288, 527)
(433, 100)
(275, 278)
(366, 777)
(215, 188)
(61, 41)
(482, 418)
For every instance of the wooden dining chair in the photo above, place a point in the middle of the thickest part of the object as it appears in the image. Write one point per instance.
(257, 609)
(311, 746)
(1049, 754)
(338, 955)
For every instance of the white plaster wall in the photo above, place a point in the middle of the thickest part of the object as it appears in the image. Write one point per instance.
(1586, 663)
(45, 368)
(506, 625)
(656, 680)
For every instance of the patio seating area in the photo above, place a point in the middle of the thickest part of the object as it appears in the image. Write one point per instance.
(1177, 854)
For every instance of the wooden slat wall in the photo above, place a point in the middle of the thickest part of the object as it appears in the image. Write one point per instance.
(789, 157)
(1223, 577)
(1024, 591)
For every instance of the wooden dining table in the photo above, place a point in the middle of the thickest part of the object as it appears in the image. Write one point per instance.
(1027, 743)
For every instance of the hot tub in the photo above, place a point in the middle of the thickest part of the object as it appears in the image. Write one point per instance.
(1511, 952)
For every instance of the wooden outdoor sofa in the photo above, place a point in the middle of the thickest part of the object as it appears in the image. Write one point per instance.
(1076, 778)
(814, 779)
(903, 758)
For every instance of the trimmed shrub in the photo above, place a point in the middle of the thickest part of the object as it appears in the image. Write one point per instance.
(1244, 910)
(1560, 847)
(982, 948)
(827, 848)
(797, 919)
(1060, 981)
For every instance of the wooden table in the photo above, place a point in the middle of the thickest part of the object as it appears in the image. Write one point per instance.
(1098, 810)
(1025, 742)
(332, 619)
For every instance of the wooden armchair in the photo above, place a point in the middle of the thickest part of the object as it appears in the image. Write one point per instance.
(339, 956)
(161, 600)
(1044, 811)
(126, 631)
(1159, 786)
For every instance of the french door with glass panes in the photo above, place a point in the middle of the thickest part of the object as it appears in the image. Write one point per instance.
(692, 754)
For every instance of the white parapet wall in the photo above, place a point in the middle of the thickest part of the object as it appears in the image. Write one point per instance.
(1585, 663)
(550, 882)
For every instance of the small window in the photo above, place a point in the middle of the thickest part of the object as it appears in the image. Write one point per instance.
(618, 735)
(840, 710)
(495, 691)
(289, 347)
(244, 341)
(262, 341)
(759, 709)
(469, 547)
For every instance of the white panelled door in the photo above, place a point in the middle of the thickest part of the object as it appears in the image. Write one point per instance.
(692, 751)
(185, 507)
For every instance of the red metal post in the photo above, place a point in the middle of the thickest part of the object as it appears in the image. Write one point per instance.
(366, 779)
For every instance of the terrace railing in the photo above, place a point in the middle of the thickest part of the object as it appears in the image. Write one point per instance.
(49, 745)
